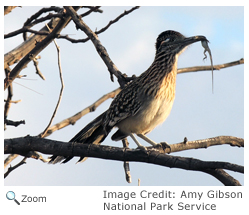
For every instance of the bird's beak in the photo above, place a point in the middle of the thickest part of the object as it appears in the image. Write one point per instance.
(189, 40)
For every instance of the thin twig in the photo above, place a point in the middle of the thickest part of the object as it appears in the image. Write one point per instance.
(8, 104)
(14, 102)
(205, 68)
(42, 19)
(37, 14)
(205, 143)
(9, 159)
(116, 20)
(40, 12)
(61, 91)
(14, 123)
(38, 71)
(92, 9)
(24, 30)
(10, 169)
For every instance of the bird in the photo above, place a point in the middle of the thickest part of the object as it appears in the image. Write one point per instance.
(143, 103)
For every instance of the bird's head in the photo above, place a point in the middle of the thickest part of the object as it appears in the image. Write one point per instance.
(174, 42)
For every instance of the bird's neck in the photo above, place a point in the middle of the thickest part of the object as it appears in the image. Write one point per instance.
(161, 76)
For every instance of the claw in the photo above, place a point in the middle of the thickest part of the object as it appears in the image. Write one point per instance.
(165, 145)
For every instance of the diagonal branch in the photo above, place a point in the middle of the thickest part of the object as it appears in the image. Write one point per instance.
(9, 159)
(223, 177)
(92, 9)
(113, 70)
(10, 169)
(36, 50)
(23, 49)
(73, 119)
(38, 71)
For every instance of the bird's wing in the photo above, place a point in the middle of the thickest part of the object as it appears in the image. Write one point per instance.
(125, 104)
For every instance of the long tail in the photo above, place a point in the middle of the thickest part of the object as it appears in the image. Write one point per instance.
(92, 133)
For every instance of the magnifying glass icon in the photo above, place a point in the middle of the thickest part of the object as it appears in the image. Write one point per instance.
(11, 196)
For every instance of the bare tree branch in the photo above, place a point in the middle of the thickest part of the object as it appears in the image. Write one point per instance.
(223, 177)
(205, 143)
(8, 9)
(42, 19)
(28, 145)
(23, 30)
(99, 47)
(8, 104)
(25, 145)
(9, 159)
(15, 102)
(39, 13)
(38, 71)
(14, 123)
(9, 97)
(99, 31)
(26, 29)
(36, 50)
(10, 169)
(116, 20)
(23, 49)
(61, 91)
(205, 68)
(92, 9)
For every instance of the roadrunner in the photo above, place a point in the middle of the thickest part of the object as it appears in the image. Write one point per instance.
(143, 103)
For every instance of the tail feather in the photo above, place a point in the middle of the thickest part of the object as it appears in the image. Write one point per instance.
(92, 133)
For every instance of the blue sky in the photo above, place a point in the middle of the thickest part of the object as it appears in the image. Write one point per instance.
(196, 113)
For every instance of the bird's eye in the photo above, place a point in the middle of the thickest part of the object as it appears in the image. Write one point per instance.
(167, 40)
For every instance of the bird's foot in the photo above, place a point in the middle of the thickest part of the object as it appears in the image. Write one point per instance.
(164, 145)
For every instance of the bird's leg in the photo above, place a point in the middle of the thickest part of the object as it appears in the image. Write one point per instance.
(138, 144)
(148, 140)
